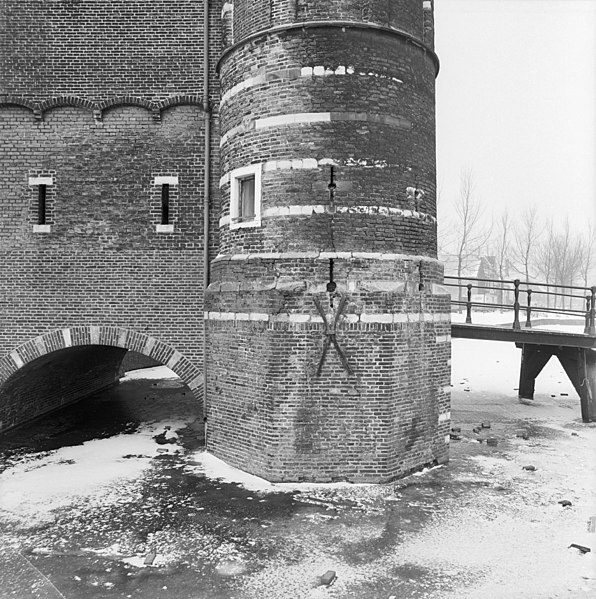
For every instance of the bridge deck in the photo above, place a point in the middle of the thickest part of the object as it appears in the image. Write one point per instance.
(575, 351)
(533, 336)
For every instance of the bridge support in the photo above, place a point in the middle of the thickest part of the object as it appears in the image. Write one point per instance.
(579, 363)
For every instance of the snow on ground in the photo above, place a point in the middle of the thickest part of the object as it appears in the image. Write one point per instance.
(489, 367)
(40, 483)
(155, 372)
(497, 530)
(540, 320)
(217, 469)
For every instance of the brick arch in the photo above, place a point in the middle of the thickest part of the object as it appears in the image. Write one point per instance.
(34, 107)
(65, 338)
(180, 100)
(118, 101)
(59, 101)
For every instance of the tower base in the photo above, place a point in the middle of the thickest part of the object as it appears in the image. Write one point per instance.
(307, 385)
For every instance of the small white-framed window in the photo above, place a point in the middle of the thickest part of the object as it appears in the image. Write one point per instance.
(167, 185)
(42, 202)
(245, 197)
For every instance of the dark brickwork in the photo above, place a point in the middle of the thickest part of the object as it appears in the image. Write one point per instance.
(102, 96)
(257, 15)
(352, 100)
(105, 101)
(383, 79)
(64, 365)
(56, 380)
(101, 48)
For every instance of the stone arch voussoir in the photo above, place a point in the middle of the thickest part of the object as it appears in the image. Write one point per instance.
(112, 336)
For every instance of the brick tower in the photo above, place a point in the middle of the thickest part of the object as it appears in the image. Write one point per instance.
(328, 334)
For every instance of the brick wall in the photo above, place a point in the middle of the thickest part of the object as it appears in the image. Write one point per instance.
(257, 15)
(354, 103)
(272, 413)
(380, 107)
(99, 48)
(103, 96)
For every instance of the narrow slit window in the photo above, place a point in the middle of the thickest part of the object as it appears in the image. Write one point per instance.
(165, 204)
(41, 204)
(247, 199)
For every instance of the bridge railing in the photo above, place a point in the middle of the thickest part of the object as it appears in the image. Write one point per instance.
(525, 299)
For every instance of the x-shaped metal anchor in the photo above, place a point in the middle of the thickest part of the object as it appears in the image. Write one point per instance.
(330, 331)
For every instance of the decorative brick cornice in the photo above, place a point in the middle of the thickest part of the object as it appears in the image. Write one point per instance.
(98, 107)
(332, 24)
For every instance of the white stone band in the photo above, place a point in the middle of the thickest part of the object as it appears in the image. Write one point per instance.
(310, 164)
(309, 210)
(297, 318)
(306, 72)
(325, 256)
(301, 118)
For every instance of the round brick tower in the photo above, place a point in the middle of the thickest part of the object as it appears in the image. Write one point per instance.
(328, 333)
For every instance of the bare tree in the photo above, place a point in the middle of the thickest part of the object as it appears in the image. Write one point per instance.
(545, 257)
(588, 259)
(501, 248)
(526, 239)
(469, 234)
(567, 259)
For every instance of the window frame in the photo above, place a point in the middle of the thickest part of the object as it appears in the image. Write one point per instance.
(166, 206)
(236, 177)
(42, 202)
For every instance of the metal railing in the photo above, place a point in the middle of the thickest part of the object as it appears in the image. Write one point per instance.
(536, 295)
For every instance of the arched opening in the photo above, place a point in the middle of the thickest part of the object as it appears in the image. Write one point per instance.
(64, 366)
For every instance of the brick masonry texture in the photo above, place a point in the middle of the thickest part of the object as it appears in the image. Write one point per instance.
(57, 379)
(360, 99)
(388, 77)
(256, 15)
(96, 48)
(104, 96)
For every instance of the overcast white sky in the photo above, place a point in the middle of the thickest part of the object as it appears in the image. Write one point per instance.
(516, 104)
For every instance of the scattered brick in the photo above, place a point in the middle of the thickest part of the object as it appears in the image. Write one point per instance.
(150, 558)
(328, 578)
(581, 548)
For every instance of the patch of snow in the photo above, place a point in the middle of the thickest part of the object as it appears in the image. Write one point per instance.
(493, 367)
(426, 470)
(155, 372)
(138, 561)
(34, 487)
(217, 469)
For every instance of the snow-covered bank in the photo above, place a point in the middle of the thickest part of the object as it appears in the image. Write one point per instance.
(99, 469)
(153, 373)
(116, 520)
